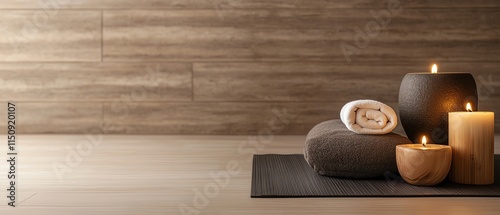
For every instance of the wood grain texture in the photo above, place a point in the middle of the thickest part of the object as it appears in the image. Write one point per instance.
(64, 118)
(217, 117)
(316, 81)
(423, 166)
(284, 81)
(125, 82)
(248, 55)
(151, 174)
(37, 35)
(265, 35)
(471, 136)
(236, 4)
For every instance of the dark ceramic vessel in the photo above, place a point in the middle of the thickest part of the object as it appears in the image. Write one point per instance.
(426, 98)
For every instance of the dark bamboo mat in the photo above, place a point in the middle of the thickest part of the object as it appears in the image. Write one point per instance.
(277, 176)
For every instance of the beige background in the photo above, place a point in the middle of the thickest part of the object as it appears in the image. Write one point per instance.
(223, 66)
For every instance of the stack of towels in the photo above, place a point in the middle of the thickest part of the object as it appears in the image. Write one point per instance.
(359, 145)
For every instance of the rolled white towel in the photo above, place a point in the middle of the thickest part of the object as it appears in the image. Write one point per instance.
(369, 117)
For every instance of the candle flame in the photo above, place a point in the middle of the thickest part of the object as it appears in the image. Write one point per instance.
(434, 68)
(468, 107)
(424, 141)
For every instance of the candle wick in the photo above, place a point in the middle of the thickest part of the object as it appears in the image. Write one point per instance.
(424, 144)
(469, 110)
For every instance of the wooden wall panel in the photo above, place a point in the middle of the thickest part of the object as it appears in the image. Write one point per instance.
(316, 81)
(217, 117)
(238, 4)
(126, 82)
(411, 20)
(58, 118)
(336, 82)
(319, 35)
(224, 65)
(37, 35)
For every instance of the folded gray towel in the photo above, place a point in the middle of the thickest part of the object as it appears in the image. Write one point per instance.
(333, 150)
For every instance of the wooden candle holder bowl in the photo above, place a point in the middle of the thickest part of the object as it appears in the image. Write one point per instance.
(423, 167)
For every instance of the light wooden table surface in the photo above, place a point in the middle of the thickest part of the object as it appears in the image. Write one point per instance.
(158, 174)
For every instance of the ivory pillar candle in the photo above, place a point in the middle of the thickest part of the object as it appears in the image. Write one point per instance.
(471, 137)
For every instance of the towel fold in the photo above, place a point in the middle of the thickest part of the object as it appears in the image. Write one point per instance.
(368, 117)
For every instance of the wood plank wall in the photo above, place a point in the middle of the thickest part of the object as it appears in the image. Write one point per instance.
(230, 66)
